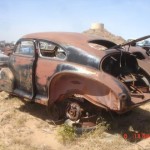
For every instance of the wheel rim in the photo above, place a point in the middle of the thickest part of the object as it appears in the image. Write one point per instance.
(73, 111)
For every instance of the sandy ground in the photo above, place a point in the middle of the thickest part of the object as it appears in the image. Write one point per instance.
(26, 126)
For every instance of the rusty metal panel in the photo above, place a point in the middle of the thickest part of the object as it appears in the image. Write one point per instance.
(102, 90)
(22, 68)
(45, 69)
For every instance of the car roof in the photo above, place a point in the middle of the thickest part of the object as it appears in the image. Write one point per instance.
(79, 40)
(62, 37)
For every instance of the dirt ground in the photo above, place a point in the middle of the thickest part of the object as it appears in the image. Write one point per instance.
(26, 126)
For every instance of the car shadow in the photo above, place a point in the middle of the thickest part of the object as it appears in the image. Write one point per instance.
(39, 111)
(134, 126)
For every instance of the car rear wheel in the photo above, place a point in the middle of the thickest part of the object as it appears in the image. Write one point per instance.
(81, 113)
(73, 111)
(76, 112)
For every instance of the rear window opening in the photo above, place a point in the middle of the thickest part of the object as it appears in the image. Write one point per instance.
(101, 44)
(96, 46)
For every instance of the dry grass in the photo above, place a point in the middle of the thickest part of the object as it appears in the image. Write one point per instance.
(26, 126)
(110, 132)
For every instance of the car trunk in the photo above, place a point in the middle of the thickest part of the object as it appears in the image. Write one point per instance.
(134, 74)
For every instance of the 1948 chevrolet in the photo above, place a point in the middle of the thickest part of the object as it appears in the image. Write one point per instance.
(74, 76)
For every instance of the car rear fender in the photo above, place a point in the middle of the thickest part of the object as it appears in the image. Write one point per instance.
(96, 87)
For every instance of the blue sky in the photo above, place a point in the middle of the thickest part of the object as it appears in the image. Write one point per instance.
(127, 18)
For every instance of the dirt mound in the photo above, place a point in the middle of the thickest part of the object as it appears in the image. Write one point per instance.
(99, 30)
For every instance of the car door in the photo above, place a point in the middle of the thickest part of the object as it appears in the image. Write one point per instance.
(23, 67)
(51, 55)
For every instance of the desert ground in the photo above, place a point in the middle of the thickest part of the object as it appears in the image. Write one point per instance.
(26, 126)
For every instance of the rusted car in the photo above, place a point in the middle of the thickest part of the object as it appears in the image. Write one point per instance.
(73, 75)
(6, 48)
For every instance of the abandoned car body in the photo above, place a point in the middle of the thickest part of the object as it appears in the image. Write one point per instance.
(70, 74)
